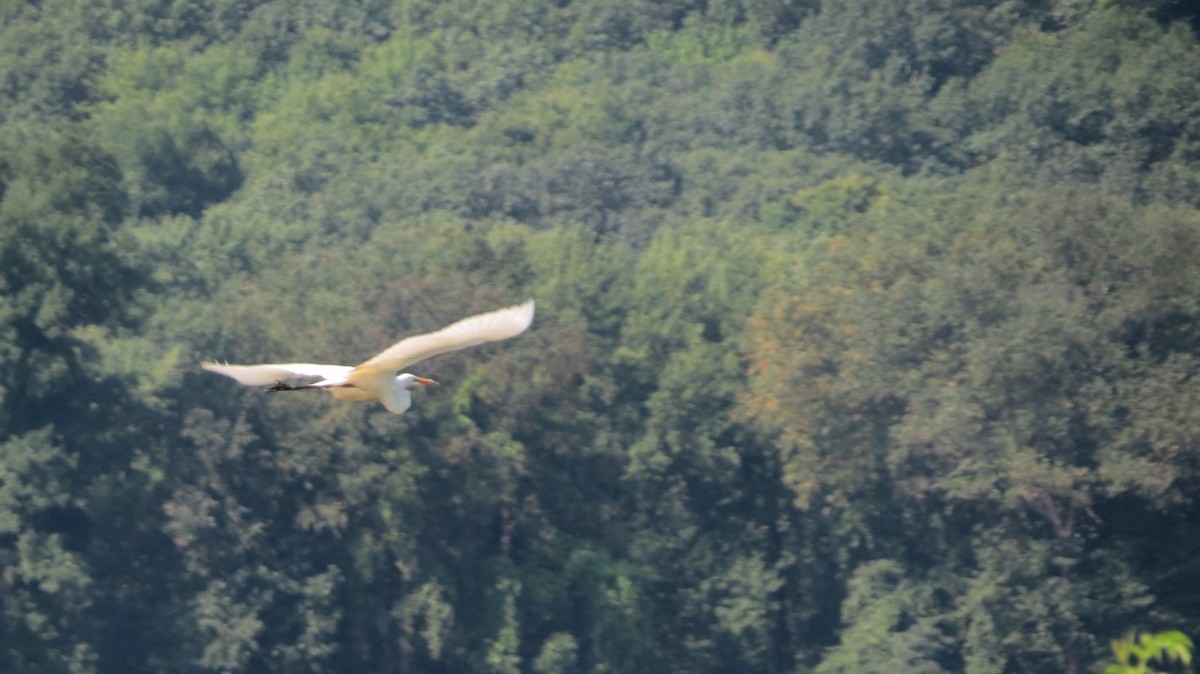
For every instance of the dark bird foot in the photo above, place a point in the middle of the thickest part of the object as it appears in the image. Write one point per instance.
(280, 386)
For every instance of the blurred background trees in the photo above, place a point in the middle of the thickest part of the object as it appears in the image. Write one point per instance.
(868, 334)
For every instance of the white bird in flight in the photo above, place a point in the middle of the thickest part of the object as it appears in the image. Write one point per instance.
(377, 378)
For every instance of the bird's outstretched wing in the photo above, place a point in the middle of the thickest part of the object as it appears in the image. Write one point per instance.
(265, 375)
(490, 327)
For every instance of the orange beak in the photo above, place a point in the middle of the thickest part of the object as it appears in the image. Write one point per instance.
(423, 381)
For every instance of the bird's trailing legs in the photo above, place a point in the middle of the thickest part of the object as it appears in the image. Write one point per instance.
(280, 386)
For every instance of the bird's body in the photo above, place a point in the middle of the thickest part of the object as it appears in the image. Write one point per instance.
(378, 378)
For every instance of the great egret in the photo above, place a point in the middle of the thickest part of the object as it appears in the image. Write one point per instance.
(377, 378)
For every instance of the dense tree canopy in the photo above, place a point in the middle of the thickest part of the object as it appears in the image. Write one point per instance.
(868, 334)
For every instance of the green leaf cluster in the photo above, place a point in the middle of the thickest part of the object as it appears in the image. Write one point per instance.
(1135, 652)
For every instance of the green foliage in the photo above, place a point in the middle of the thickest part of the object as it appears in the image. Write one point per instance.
(1134, 652)
(168, 121)
(866, 338)
(1106, 101)
(893, 624)
(558, 655)
(503, 657)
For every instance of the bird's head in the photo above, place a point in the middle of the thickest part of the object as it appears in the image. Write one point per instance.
(409, 381)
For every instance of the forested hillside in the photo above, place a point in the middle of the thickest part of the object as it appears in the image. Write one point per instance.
(868, 334)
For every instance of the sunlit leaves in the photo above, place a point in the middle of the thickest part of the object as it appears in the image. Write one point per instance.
(973, 351)
(172, 125)
(558, 655)
(426, 619)
(893, 624)
(742, 603)
(46, 580)
(1136, 652)
(984, 356)
(63, 269)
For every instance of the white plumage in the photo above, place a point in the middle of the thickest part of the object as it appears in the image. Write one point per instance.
(378, 378)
